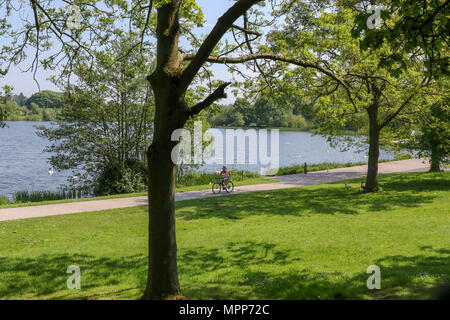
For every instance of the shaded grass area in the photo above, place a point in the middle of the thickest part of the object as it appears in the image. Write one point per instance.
(313, 242)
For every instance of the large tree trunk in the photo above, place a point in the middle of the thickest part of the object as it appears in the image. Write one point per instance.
(162, 280)
(374, 150)
(170, 83)
(435, 159)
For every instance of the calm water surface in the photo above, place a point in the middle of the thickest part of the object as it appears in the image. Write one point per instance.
(24, 165)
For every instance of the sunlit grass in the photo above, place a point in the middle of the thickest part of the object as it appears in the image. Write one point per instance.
(312, 242)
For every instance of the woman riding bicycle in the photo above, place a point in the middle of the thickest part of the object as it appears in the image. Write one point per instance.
(223, 182)
(225, 176)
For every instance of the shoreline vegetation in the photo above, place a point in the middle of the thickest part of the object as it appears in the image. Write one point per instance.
(190, 182)
(312, 130)
(332, 165)
(43, 106)
(193, 182)
(285, 129)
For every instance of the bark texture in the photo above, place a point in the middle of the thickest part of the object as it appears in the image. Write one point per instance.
(435, 159)
(374, 150)
(162, 279)
(169, 83)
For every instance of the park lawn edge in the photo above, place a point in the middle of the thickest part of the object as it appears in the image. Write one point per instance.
(247, 182)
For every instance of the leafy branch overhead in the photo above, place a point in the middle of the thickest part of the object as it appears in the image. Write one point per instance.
(415, 30)
(99, 25)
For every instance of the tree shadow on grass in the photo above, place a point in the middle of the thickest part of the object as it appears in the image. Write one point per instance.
(402, 277)
(192, 261)
(416, 182)
(201, 263)
(330, 199)
(45, 275)
(236, 271)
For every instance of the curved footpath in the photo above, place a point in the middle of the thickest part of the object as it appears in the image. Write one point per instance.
(289, 181)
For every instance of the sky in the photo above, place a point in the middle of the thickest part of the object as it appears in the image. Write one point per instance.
(24, 82)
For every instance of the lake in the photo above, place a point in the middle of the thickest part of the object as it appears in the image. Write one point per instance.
(24, 165)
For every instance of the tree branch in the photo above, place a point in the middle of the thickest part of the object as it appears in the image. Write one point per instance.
(221, 27)
(275, 57)
(393, 115)
(219, 93)
(247, 40)
(149, 13)
(247, 31)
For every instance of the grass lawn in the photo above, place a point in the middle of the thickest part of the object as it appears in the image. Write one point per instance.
(312, 242)
(249, 181)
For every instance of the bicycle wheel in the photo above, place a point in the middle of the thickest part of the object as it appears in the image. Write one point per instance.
(216, 188)
(229, 187)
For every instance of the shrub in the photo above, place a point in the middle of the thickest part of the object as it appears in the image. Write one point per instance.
(403, 156)
(3, 200)
(299, 122)
(202, 178)
(116, 179)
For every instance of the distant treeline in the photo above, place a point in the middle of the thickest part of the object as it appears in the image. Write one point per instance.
(41, 106)
(264, 112)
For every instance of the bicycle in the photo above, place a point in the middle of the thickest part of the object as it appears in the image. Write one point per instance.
(219, 186)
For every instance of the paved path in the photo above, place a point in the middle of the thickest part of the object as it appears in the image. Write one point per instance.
(290, 181)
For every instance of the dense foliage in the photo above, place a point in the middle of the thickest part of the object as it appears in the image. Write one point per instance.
(433, 138)
(46, 99)
(106, 128)
(41, 106)
(281, 111)
(414, 30)
(369, 98)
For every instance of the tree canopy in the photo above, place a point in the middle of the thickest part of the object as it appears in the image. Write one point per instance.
(46, 99)
(4, 97)
(369, 97)
(106, 123)
(412, 29)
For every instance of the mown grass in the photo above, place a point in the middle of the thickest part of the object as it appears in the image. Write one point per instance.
(312, 242)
